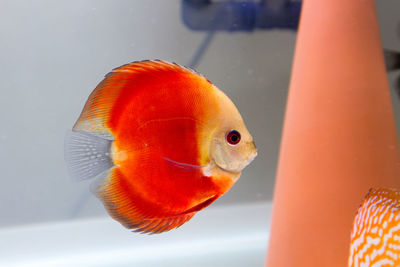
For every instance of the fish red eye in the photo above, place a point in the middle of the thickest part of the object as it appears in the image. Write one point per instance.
(233, 137)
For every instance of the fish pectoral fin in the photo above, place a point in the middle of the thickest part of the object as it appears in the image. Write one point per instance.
(206, 170)
(182, 164)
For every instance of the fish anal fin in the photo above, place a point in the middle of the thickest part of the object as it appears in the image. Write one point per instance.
(159, 225)
(123, 205)
(202, 205)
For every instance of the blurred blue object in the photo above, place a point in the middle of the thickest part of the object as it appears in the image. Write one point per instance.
(205, 15)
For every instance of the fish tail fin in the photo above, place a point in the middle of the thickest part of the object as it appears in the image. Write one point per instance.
(87, 155)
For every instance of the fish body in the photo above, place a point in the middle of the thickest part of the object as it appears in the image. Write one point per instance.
(163, 141)
(375, 239)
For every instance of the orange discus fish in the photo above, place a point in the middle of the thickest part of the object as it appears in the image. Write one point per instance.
(163, 141)
(375, 239)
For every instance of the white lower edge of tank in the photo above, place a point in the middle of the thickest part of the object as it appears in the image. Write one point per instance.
(234, 235)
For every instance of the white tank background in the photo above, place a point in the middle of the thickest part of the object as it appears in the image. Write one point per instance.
(54, 53)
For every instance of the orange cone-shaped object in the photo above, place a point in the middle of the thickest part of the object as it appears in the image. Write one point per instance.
(339, 136)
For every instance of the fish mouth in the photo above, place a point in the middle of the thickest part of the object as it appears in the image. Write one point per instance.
(233, 162)
(228, 171)
(253, 156)
(239, 168)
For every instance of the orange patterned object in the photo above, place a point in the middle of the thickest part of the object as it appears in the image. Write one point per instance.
(375, 240)
(339, 137)
(163, 141)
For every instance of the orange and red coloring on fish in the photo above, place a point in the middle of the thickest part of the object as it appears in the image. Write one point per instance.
(149, 130)
(375, 239)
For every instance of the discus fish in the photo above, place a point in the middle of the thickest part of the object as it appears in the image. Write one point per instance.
(163, 142)
(375, 239)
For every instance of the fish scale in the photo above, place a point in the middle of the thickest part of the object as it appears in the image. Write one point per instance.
(375, 239)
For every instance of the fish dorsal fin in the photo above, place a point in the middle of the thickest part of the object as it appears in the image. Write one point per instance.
(144, 66)
(97, 109)
(122, 204)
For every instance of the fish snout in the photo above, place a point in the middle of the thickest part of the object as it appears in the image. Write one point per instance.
(254, 152)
